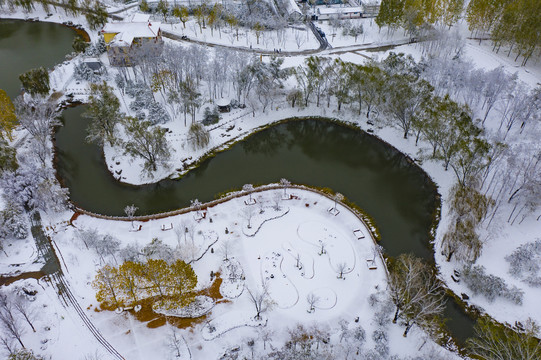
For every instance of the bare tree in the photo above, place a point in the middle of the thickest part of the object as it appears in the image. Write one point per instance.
(298, 264)
(248, 213)
(266, 335)
(299, 38)
(417, 293)
(322, 247)
(7, 343)
(8, 321)
(340, 269)
(276, 198)
(176, 342)
(312, 300)
(184, 228)
(261, 300)
(130, 211)
(285, 184)
(225, 249)
(249, 188)
(21, 306)
(337, 197)
(261, 204)
(196, 204)
(250, 342)
(38, 117)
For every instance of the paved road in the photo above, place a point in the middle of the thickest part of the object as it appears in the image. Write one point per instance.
(323, 44)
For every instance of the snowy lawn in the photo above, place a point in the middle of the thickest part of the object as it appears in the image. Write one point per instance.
(286, 255)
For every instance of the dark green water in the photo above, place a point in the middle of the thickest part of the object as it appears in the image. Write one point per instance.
(27, 45)
(375, 176)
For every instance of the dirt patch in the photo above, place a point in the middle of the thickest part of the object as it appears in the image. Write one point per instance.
(155, 320)
(213, 291)
(6, 280)
(74, 217)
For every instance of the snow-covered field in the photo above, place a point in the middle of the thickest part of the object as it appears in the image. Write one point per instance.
(286, 254)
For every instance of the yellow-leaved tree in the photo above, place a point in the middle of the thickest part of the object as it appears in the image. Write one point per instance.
(107, 286)
(8, 119)
(168, 285)
(183, 281)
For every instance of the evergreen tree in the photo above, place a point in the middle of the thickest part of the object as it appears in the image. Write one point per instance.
(79, 44)
(146, 142)
(104, 112)
(390, 13)
(8, 158)
(96, 16)
(36, 81)
(144, 6)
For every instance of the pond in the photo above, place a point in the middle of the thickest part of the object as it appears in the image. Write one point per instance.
(26, 45)
(375, 176)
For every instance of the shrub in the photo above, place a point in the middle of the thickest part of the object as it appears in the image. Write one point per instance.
(198, 136)
(490, 286)
(524, 263)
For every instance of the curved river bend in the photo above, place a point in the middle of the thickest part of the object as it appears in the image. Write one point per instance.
(373, 175)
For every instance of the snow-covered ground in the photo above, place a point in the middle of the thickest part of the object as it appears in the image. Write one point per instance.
(286, 253)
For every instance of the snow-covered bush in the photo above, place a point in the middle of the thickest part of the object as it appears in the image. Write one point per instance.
(489, 285)
(130, 253)
(210, 116)
(141, 93)
(83, 72)
(524, 263)
(381, 341)
(13, 222)
(33, 187)
(157, 113)
(97, 48)
(198, 136)
(158, 250)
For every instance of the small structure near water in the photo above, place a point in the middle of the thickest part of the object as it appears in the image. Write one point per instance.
(224, 105)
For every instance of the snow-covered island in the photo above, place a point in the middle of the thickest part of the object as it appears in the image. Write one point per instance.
(279, 271)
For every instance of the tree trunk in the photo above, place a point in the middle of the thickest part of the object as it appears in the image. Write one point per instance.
(396, 315)
(408, 327)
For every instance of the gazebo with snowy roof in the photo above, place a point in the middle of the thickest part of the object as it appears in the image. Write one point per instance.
(224, 105)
